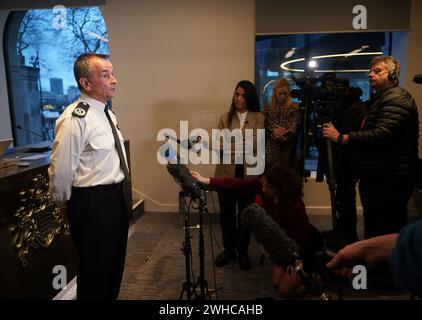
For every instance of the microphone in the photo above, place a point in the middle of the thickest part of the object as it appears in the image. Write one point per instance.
(190, 144)
(33, 132)
(417, 78)
(183, 177)
(282, 250)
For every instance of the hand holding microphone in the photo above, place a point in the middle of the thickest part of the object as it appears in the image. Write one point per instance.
(365, 252)
(198, 177)
(282, 250)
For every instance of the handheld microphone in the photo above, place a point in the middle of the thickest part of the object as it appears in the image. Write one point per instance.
(417, 78)
(32, 132)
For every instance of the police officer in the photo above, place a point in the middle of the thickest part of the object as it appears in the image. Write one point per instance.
(88, 167)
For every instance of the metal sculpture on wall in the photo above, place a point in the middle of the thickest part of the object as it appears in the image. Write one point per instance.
(38, 219)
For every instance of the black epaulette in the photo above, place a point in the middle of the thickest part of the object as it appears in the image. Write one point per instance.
(81, 109)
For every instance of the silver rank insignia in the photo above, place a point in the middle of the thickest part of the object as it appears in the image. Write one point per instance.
(81, 109)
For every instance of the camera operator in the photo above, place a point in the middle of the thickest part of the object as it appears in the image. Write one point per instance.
(347, 117)
(386, 151)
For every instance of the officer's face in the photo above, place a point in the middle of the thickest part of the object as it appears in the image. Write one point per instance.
(102, 83)
(378, 76)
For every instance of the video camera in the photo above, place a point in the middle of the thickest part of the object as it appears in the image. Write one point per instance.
(324, 95)
(324, 99)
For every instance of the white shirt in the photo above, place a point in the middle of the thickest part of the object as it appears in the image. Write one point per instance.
(84, 153)
(242, 118)
(239, 150)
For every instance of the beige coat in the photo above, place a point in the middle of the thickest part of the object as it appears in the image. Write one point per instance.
(254, 120)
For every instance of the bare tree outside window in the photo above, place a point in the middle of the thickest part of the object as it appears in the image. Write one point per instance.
(40, 64)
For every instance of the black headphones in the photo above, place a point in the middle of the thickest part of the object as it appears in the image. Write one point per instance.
(392, 74)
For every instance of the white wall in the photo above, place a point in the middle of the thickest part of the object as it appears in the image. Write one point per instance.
(5, 126)
(174, 60)
(178, 60)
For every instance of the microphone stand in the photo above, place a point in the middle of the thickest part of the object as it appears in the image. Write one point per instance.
(33, 132)
(187, 250)
(202, 209)
(188, 286)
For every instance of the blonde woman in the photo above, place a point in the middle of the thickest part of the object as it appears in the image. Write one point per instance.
(282, 118)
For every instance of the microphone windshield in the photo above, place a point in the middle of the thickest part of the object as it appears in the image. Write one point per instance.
(283, 250)
(189, 185)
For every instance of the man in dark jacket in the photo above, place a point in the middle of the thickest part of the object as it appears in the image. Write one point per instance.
(386, 150)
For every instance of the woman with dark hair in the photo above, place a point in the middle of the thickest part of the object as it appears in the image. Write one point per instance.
(280, 192)
(243, 114)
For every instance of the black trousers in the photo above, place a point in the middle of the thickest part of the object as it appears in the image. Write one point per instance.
(99, 228)
(384, 205)
(235, 235)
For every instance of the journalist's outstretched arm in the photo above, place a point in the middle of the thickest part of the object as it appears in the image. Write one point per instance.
(404, 250)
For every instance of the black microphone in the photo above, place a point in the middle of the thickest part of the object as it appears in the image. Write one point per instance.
(183, 177)
(417, 78)
(190, 145)
(282, 250)
(30, 131)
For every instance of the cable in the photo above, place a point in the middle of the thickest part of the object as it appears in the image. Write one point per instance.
(211, 233)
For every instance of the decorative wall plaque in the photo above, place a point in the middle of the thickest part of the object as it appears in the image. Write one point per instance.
(38, 219)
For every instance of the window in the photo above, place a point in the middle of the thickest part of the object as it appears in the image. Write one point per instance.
(343, 55)
(40, 49)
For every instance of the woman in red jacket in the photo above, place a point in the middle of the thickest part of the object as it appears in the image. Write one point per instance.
(280, 191)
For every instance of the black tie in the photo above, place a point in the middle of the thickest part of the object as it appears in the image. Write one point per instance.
(118, 146)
